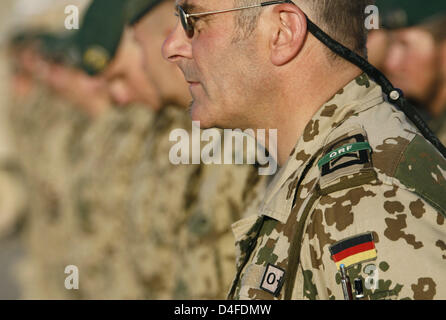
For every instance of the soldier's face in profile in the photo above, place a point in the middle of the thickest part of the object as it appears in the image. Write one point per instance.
(127, 81)
(412, 62)
(150, 33)
(223, 67)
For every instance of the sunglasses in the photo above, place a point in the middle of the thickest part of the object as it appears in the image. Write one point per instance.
(188, 22)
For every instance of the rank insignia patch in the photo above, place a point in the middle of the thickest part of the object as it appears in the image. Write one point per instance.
(348, 155)
(353, 250)
(345, 156)
(272, 281)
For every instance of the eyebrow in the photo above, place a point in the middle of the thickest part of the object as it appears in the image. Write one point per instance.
(190, 7)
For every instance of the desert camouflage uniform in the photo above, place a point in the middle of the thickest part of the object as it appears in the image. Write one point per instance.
(180, 215)
(205, 251)
(42, 127)
(25, 124)
(159, 194)
(13, 195)
(13, 184)
(101, 191)
(394, 190)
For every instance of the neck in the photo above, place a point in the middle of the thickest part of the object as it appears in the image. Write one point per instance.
(305, 95)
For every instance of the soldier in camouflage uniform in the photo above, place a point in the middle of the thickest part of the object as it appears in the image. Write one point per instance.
(63, 117)
(123, 158)
(353, 204)
(109, 147)
(21, 90)
(181, 232)
(415, 60)
(128, 154)
(205, 242)
(318, 202)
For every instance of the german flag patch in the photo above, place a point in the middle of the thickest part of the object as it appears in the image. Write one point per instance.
(354, 250)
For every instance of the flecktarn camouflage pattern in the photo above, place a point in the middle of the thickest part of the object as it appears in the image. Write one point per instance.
(361, 187)
(205, 245)
(178, 233)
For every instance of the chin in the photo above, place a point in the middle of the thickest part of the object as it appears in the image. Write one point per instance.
(200, 113)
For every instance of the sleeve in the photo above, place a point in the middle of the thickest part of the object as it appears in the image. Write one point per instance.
(13, 196)
(391, 242)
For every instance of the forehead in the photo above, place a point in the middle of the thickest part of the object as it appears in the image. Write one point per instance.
(192, 6)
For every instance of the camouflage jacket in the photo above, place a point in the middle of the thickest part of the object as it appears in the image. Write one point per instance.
(205, 250)
(159, 192)
(44, 127)
(102, 163)
(361, 189)
(179, 235)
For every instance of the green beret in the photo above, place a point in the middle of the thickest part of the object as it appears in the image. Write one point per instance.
(60, 48)
(136, 9)
(22, 38)
(49, 45)
(396, 14)
(96, 43)
(100, 34)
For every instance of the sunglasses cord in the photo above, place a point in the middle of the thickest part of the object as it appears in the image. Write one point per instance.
(395, 95)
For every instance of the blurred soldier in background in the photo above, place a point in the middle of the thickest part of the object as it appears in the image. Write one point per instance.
(101, 189)
(185, 223)
(47, 128)
(13, 195)
(54, 123)
(103, 194)
(415, 59)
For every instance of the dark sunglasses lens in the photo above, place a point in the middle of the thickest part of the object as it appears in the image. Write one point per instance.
(188, 28)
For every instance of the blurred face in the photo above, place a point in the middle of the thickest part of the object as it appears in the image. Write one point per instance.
(30, 60)
(91, 92)
(150, 33)
(412, 62)
(88, 93)
(21, 81)
(225, 73)
(127, 81)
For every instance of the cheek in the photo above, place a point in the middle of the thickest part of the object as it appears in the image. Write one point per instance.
(211, 63)
(421, 55)
(420, 59)
(145, 50)
(119, 92)
(140, 84)
(422, 67)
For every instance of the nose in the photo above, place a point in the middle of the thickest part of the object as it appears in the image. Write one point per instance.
(177, 45)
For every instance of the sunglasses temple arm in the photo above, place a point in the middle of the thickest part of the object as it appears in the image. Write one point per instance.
(263, 4)
(270, 3)
(223, 11)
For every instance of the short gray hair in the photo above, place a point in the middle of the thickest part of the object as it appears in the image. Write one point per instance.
(343, 20)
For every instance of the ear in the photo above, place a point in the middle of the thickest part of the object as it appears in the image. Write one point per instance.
(289, 33)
